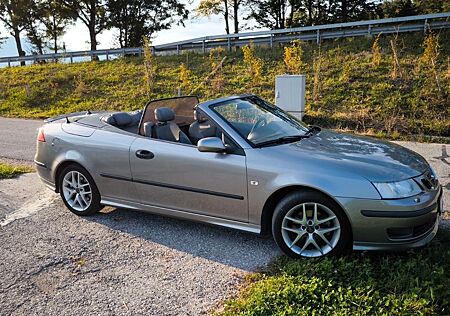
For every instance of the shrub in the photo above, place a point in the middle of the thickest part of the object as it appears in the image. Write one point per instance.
(253, 63)
(293, 55)
(376, 52)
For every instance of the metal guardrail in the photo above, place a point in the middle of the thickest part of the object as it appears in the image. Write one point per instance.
(309, 33)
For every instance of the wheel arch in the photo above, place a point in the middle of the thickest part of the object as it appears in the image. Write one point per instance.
(275, 197)
(60, 167)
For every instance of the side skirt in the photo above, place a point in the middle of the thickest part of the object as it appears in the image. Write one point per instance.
(251, 228)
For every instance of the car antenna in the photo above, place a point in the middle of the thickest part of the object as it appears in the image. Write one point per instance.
(88, 112)
(67, 120)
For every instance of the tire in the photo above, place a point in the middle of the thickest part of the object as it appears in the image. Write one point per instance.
(78, 191)
(299, 236)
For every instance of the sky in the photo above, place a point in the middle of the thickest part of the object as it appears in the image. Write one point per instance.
(77, 36)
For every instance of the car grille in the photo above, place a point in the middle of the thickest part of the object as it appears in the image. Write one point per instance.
(408, 234)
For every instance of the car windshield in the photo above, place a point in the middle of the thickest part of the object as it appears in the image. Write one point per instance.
(260, 122)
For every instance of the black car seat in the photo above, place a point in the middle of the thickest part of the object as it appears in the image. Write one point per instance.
(201, 127)
(166, 129)
(149, 129)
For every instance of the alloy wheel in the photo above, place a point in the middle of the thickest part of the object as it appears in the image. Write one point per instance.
(77, 191)
(311, 229)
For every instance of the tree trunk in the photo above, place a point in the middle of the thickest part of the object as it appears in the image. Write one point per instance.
(344, 10)
(226, 16)
(310, 8)
(55, 43)
(236, 17)
(20, 51)
(92, 22)
(55, 36)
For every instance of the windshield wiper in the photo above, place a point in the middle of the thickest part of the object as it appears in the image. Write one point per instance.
(282, 140)
(313, 130)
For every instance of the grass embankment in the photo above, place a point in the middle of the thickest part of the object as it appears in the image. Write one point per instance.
(412, 283)
(349, 84)
(8, 171)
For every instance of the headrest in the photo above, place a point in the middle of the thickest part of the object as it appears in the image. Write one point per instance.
(199, 116)
(136, 116)
(119, 119)
(164, 114)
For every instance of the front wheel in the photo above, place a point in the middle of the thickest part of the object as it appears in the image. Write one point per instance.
(78, 191)
(309, 224)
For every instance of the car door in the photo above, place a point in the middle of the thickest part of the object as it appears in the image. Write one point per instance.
(178, 176)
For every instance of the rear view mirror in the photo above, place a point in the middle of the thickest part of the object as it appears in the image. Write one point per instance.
(211, 145)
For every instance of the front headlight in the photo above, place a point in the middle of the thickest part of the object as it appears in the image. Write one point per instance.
(397, 190)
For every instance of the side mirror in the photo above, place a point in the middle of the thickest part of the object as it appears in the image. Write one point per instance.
(211, 145)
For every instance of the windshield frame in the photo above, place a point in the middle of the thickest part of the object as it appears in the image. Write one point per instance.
(273, 109)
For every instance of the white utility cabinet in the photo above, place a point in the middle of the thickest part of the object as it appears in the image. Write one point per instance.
(290, 94)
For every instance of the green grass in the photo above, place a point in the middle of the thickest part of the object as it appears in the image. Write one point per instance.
(412, 283)
(8, 171)
(349, 93)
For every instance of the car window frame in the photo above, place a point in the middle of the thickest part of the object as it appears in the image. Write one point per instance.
(238, 150)
(211, 108)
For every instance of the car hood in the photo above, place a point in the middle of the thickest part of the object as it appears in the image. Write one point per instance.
(370, 158)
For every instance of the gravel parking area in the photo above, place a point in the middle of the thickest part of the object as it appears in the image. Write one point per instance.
(121, 263)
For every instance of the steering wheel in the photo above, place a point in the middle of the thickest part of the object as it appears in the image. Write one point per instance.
(262, 121)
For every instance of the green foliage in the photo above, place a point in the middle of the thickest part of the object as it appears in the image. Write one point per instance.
(8, 171)
(344, 90)
(136, 19)
(411, 283)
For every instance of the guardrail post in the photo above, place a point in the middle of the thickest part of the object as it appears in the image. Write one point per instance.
(369, 31)
(271, 40)
(229, 44)
(425, 26)
(71, 58)
(107, 55)
(318, 37)
(178, 49)
(203, 47)
(9, 62)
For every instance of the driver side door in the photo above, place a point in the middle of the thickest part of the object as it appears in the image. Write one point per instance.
(179, 177)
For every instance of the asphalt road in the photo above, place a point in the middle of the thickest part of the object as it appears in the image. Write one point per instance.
(18, 138)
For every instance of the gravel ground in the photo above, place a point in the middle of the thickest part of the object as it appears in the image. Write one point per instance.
(122, 262)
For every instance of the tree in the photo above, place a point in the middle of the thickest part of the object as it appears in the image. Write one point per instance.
(397, 8)
(34, 31)
(353, 10)
(215, 7)
(136, 19)
(269, 13)
(13, 14)
(236, 4)
(91, 13)
(55, 17)
(432, 6)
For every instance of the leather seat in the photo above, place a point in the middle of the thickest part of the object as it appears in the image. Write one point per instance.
(148, 129)
(166, 129)
(201, 127)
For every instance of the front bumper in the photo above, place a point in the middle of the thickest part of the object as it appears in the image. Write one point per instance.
(394, 224)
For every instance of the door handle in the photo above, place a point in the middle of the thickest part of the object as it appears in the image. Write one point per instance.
(144, 154)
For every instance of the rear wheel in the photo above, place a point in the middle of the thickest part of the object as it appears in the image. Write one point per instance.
(309, 224)
(78, 191)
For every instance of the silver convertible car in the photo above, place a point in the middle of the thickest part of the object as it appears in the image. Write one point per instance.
(243, 163)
